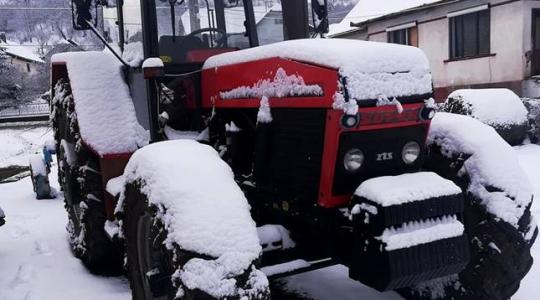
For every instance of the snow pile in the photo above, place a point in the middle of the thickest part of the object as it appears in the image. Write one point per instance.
(115, 186)
(153, 62)
(405, 188)
(173, 134)
(282, 85)
(232, 127)
(285, 267)
(133, 54)
(348, 107)
(264, 115)
(104, 108)
(273, 237)
(495, 107)
(383, 101)
(37, 165)
(491, 164)
(207, 213)
(421, 232)
(21, 142)
(371, 69)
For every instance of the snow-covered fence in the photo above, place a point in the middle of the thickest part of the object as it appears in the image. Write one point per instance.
(23, 112)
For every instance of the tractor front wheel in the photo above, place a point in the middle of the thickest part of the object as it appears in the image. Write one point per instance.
(150, 264)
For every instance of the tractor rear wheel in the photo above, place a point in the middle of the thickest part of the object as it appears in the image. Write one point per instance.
(80, 179)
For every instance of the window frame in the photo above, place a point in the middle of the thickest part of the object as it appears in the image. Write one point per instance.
(482, 43)
(408, 35)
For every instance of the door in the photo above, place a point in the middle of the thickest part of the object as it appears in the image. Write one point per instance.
(535, 57)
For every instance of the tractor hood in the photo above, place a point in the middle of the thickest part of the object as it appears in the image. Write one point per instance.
(368, 70)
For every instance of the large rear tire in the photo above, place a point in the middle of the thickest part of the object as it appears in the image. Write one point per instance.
(80, 179)
(500, 252)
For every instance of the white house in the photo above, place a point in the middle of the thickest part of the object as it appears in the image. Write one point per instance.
(469, 43)
(21, 56)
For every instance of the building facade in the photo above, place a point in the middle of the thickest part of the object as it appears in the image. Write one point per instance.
(469, 43)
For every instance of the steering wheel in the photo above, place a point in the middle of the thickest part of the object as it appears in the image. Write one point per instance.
(219, 43)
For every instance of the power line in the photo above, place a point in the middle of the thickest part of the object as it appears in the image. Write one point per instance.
(35, 8)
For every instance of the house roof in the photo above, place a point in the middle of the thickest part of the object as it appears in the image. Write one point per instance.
(370, 10)
(23, 52)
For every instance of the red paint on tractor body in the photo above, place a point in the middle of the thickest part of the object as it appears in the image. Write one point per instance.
(371, 118)
(112, 166)
(248, 74)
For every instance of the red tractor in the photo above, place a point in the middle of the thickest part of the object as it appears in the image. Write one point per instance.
(265, 155)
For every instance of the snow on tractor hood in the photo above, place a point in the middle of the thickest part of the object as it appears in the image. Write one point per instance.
(371, 70)
(103, 104)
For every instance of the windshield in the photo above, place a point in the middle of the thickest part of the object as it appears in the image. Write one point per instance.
(185, 25)
(220, 24)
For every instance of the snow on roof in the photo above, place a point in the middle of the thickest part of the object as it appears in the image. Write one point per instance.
(206, 213)
(492, 165)
(493, 106)
(366, 10)
(372, 69)
(104, 107)
(24, 52)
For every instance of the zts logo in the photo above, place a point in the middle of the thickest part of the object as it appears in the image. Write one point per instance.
(385, 156)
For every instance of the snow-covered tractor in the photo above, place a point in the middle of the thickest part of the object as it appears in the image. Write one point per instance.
(207, 156)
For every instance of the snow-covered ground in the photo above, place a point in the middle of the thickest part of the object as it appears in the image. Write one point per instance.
(17, 143)
(35, 258)
(36, 262)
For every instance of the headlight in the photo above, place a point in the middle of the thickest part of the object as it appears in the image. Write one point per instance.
(410, 152)
(427, 113)
(350, 121)
(353, 160)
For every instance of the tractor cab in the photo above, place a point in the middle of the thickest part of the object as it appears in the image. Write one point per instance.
(184, 34)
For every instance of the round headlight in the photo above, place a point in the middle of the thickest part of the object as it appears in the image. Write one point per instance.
(353, 160)
(350, 121)
(410, 152)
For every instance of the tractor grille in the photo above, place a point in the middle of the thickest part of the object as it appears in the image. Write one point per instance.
(376, 143)
(288, 157)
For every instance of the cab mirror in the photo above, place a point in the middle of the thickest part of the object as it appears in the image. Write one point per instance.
(84, 14)
(320, 15)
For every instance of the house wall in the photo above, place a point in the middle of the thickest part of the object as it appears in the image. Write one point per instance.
(510, 40)
(22, 66)
(530, 86)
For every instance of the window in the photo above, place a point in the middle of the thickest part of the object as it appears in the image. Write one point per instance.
(470, 35)
(406, 36)
(28, 67)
